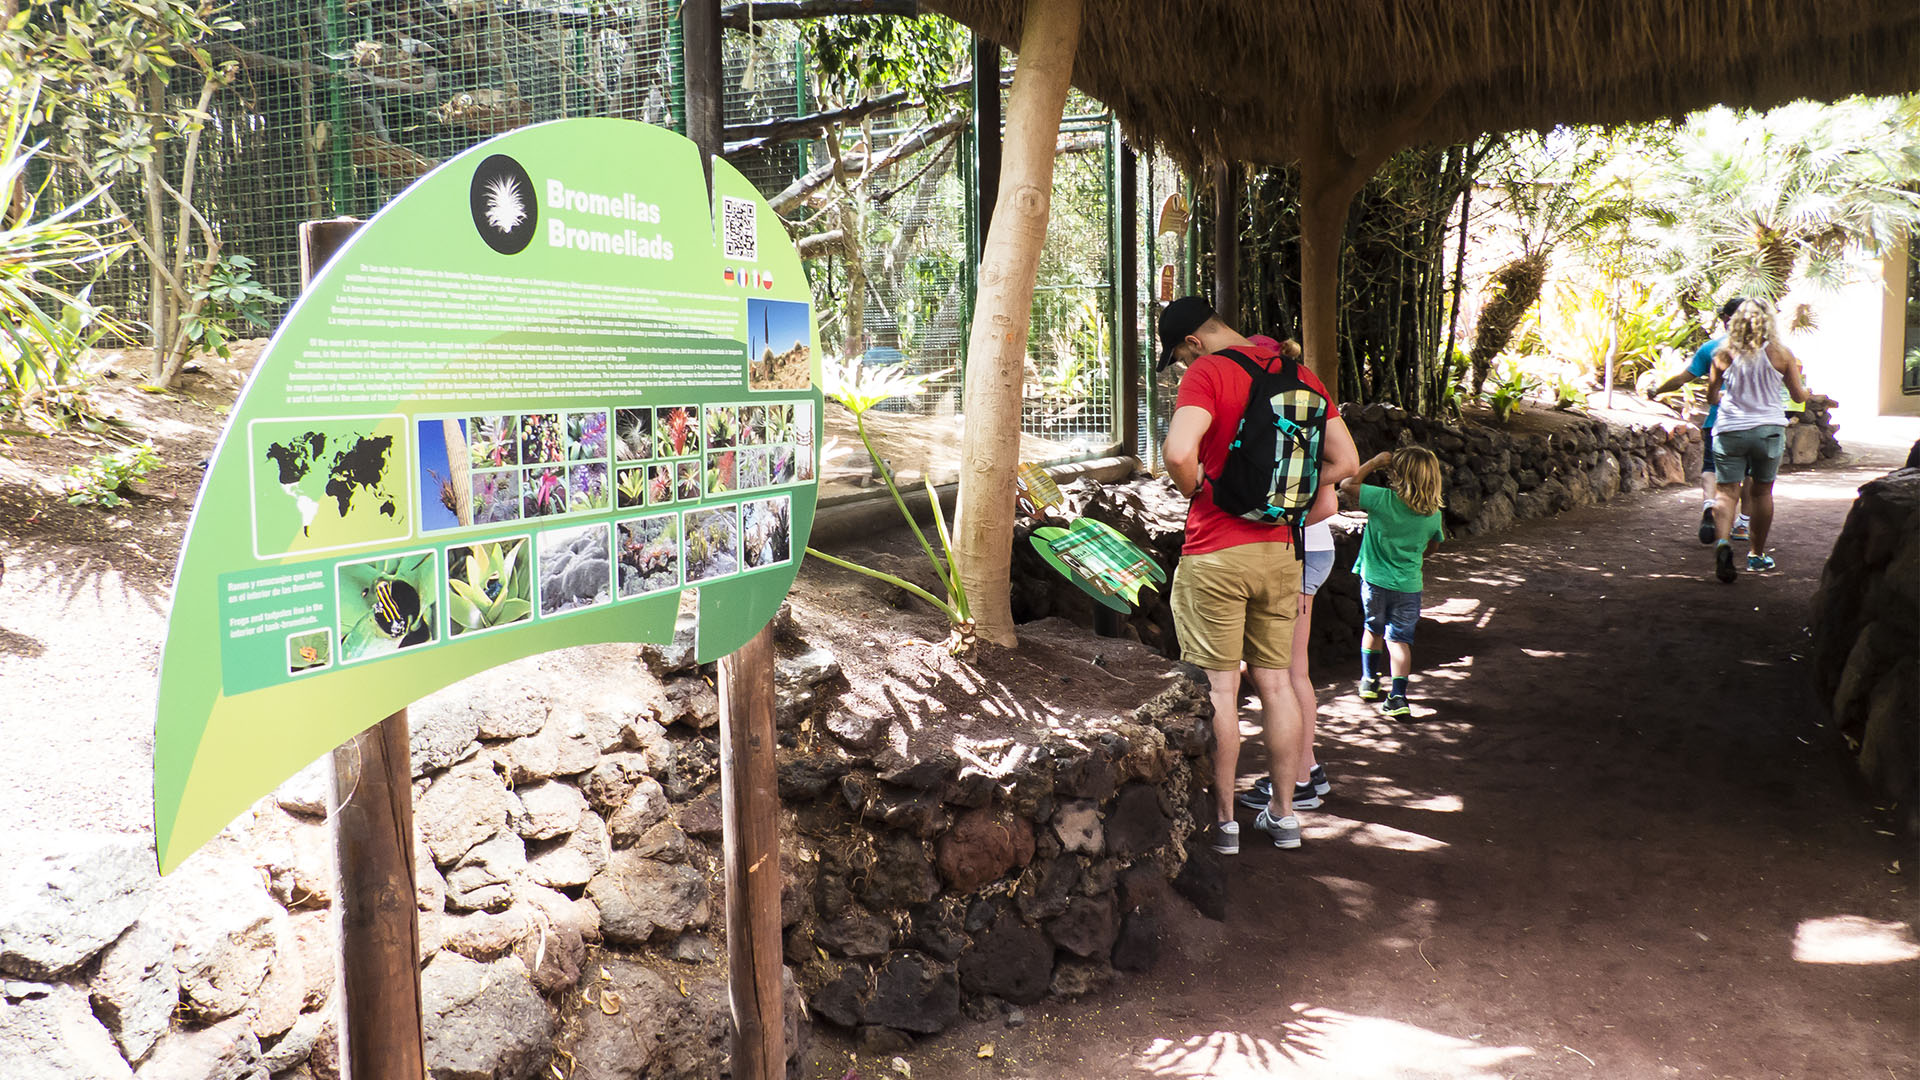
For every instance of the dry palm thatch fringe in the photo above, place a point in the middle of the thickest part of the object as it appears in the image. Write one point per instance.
(1236, 80)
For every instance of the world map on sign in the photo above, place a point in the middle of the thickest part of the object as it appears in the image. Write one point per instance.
(329, 485)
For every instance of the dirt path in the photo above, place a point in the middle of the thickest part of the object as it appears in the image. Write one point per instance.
(1616, 842)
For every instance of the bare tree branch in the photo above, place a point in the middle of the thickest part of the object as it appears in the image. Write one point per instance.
(745, 137)
(738, 16)
(798, 191)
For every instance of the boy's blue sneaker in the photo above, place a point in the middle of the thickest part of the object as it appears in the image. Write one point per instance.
(1370, 688)
(1285, 832)
(1757, 563)
(1396, 707)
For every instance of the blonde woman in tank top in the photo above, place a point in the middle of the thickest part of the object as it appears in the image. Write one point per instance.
(1748, 374)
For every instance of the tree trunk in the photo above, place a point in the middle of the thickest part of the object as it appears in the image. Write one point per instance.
(160, 306)
(997, 347)
(1323, 221)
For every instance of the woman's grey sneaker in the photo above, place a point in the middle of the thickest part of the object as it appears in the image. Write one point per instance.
(1706, 526)
(1285, 832)
(1225, 837)
(1396, 706)
(1317, 776)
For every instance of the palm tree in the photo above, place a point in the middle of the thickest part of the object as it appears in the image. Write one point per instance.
(1755, 197)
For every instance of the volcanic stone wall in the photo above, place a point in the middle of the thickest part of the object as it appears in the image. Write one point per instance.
(1866, 638)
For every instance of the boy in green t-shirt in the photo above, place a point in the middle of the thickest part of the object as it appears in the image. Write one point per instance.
(1403, 528)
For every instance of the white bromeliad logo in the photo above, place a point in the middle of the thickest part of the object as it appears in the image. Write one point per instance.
(505, 208)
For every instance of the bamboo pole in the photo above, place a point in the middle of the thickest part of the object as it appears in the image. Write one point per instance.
(997, 345)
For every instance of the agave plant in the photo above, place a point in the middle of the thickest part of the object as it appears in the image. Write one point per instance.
(494, 589)
(858, 388)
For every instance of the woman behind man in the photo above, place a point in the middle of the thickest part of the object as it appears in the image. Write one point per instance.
(1749, 372)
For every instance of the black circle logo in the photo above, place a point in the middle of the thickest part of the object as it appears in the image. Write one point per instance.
(504, 208)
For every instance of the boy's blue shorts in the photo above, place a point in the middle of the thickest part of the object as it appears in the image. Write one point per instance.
(1390, 613)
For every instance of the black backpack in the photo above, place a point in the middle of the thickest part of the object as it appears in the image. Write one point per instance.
(1272, 471)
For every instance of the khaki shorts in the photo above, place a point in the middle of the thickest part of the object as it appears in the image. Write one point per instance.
(1237, 604)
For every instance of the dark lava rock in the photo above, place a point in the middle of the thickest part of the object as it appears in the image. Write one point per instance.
(925, 774)
(936, 929)
(913, 992)
(900, 875)
(1138, 946)
(1047, 893)
(1090, 775)
(1009, 960)
(839, 1000)
(1088, 928)
(855, 934)
(696, 764)
(917, 812)
(1204, 882)
(808, 776)
(877, 1041)
(702, 817)
(1135, 823)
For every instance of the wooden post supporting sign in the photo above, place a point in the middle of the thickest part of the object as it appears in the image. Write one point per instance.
(380, 1032)
(750, 801)
(749, 793)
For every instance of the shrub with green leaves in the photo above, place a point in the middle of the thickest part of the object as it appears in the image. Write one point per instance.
(102, 481)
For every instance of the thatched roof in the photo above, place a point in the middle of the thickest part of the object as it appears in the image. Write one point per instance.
(1232, 79)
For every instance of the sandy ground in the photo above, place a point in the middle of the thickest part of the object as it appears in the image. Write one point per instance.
(1617, 841)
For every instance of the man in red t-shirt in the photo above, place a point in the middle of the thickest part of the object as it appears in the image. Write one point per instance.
(1236, 591)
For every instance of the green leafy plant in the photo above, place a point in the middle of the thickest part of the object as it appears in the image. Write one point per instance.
(227, 299)
(1514, 386)
(490, 587)
(1568, 394)
(102, 481)
(44, 325)
(858, 388)
(96, 75)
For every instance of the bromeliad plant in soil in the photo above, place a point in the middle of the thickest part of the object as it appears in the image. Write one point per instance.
(858, 388)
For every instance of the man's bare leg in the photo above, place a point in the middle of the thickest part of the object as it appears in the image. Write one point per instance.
(1223, 689)
(1280, 715)
(1303, 687)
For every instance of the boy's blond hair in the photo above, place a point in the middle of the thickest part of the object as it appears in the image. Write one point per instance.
(1416, 479)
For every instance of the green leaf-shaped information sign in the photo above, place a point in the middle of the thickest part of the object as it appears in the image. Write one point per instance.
(540, 396)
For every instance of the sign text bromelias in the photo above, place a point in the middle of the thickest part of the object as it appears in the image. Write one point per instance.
(624, 206)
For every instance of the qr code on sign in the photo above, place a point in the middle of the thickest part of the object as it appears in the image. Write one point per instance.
(737, 219)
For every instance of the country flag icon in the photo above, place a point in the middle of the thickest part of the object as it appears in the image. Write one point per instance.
(729, 276)
(766, 279)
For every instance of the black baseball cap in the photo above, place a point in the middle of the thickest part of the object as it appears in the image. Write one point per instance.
(1177, 320)
(1727, 309)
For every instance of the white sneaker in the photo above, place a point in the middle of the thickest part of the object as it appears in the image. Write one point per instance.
(1739, 528)
(1285, 832)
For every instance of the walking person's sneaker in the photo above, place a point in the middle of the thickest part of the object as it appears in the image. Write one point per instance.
(1723, 563)
(1396, 707)
(1261, 794)
(1706, 525)
(1285, 832)
(1317, 776)
(1225, 837)
(1740, 527)
(1370, 688)
(1758, 563)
